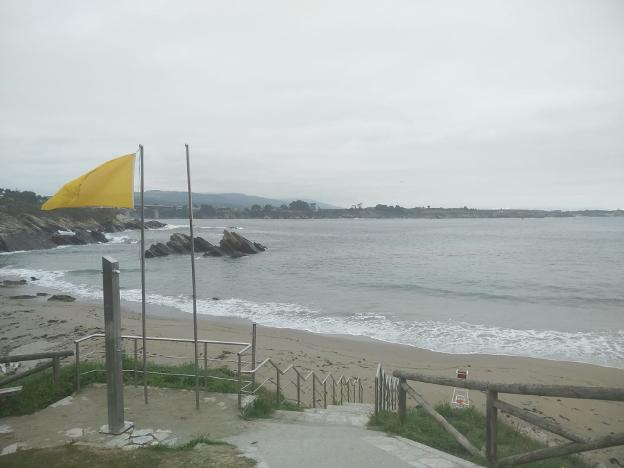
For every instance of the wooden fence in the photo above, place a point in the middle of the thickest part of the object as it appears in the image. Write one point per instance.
(54, 362)
(391, 392)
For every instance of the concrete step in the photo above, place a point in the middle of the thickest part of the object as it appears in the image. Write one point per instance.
(351, 415)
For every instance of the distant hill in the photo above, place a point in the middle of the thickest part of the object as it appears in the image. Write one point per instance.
(217, 200)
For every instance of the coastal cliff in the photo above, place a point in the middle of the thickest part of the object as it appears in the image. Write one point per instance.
(29, 232)
(23, 226)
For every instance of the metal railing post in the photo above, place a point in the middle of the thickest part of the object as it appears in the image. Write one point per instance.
(277, 379)
(56, 367)
(77, 362)
(313, 390)
(402, 400)
(298, 389)
(376, 395)
(136, 358)
(325, 393)
(253, 351)
(205, 367)
(491, 415)
(240, 383)
(341, 391)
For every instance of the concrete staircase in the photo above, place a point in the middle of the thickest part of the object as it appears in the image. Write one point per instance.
(334, 437)
(347, 414)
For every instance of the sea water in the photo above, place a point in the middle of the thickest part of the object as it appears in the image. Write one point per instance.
(550, 288)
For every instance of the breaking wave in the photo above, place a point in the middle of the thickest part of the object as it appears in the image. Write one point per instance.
(605, 348)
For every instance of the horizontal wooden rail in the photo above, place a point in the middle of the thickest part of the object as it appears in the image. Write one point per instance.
(7, 392)
(21, 375)
(561, 391)
(567, 449)
(35, 356)
(539, 421)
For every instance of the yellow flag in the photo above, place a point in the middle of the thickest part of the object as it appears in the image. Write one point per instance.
(108, 185)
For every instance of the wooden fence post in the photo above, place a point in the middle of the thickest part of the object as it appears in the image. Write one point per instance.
(402, 401)
(491, 415)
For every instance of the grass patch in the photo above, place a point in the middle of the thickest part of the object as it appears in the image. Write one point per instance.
(421, 427)
(265, 404)
(39, 392)
(209, 454)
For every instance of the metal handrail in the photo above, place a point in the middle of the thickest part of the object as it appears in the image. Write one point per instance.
(353, 384)
(136, 338)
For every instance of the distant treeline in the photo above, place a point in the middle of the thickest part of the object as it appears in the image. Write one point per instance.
(302, 210)
(16, 202)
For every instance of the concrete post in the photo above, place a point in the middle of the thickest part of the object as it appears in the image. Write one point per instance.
(112, 328)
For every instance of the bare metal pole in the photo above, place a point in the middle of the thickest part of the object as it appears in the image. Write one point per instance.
(143, 275)
(190, 210)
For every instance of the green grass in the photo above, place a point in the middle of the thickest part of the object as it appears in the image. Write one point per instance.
(210, 454)
(265, 404)
(421, 427)
(38, 391)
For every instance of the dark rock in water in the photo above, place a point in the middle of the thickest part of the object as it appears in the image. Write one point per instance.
(179, 243)
(99, 237)
(215, 298)
(33, 278)
(232, 245)
(233, 242)
(22, 296)
(62, 298)
(202, 245)
(40, 294)
(153, 224)
(157, 250)
(13, 283)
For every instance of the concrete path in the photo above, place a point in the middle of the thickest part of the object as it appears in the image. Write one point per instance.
(335, 437)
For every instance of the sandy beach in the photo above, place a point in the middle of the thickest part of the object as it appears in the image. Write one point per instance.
(36, 324)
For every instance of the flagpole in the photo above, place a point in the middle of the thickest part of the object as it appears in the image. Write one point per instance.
(143, 333)
(190, 210)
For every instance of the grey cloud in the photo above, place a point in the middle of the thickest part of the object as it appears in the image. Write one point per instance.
(486, 103)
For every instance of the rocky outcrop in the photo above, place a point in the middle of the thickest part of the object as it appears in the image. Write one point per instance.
(231, 245)
(29, 232)
(62, 298)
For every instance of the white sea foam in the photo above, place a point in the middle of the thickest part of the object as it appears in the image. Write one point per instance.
(605, 349)
(169, 227)
(117, 239)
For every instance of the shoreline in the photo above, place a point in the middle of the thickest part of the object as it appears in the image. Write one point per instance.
(34, 325)
(172, 312)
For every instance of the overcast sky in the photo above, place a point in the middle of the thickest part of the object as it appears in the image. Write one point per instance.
(485, 104)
